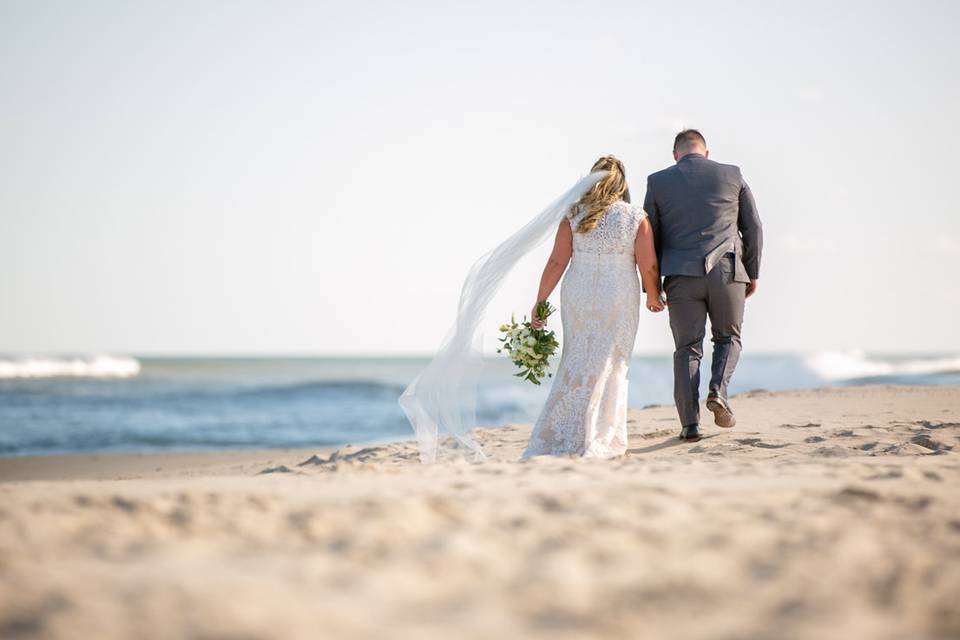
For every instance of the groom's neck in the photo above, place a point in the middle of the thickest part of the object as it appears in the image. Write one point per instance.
(690, 154)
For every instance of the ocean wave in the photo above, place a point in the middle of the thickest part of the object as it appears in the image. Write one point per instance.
(94, 367)
(852, 365)
(363, 387)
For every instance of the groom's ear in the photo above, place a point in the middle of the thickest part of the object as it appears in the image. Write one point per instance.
(706, 153)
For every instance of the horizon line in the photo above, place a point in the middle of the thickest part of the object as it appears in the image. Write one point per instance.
(304, 355)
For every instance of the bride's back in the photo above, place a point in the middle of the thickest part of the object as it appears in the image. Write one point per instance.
(614, 234)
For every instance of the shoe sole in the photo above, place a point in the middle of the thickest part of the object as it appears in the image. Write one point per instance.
(697, 439)
(722, 417)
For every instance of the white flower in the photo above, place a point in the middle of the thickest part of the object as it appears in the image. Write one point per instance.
(531, 341)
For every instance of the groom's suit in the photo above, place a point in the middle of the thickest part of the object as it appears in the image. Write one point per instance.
(709, 239)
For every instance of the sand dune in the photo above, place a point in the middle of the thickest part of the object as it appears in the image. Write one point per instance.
(824, 514)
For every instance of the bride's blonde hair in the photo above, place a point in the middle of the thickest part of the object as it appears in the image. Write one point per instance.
(603, 194)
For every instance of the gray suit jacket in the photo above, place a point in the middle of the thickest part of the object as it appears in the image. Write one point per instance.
(700, 210)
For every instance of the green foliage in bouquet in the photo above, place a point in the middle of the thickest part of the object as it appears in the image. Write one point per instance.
(529, 348)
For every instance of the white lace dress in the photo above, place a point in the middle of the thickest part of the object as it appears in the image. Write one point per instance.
(586, 411)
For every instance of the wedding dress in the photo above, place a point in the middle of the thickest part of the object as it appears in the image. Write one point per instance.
(586, 411)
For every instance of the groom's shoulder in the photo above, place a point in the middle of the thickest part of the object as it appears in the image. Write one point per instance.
(712, 166)
(729, 169)
(663, 173)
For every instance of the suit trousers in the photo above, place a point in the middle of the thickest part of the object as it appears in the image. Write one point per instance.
(691, 300)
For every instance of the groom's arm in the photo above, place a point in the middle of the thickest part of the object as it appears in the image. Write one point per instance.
(653, 215)
(751, 230)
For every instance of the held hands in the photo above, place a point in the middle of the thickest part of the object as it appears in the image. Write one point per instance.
(656, 303)
(752, 287)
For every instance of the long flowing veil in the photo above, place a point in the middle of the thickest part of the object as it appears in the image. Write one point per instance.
(443, 396)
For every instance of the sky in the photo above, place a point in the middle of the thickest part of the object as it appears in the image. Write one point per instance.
(316, 178)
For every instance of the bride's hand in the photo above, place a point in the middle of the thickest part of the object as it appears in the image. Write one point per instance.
(535, 320)
(654, 303)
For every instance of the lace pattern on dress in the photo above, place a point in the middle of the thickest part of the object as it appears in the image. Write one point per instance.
(585, 413)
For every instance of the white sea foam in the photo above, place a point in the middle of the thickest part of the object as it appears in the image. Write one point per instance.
(849, 365)
(93, 367)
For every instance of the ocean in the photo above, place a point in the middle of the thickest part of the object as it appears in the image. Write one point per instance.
(126, 404)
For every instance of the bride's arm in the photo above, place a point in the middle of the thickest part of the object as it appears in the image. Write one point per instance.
(556, 265)
(646, 256)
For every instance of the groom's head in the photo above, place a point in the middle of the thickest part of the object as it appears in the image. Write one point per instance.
(689, 141)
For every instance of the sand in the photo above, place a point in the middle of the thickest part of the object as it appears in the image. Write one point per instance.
(823, 514)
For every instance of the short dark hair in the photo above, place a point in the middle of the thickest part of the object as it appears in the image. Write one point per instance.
(687, 138)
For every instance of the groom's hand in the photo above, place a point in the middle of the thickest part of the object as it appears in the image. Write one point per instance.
(752, 287)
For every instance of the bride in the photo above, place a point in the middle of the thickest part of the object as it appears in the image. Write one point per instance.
(603, 239)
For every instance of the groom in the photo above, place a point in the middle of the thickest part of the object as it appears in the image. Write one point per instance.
(709, 239)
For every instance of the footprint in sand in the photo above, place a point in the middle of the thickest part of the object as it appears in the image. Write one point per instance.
(924, 440)
(911, 449)
(914, 503)
(721, 449)
(124, 504)
(760, 444)
(888, 474)
(937, 425)
(857, 494)
(835, 451)
(339, 456)
(279, 469)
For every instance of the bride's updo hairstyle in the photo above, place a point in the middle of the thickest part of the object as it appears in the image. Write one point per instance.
(603, 194)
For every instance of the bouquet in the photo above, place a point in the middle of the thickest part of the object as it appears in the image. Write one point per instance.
(529, 348)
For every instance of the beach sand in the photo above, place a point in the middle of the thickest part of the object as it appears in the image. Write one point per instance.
(823, 514)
